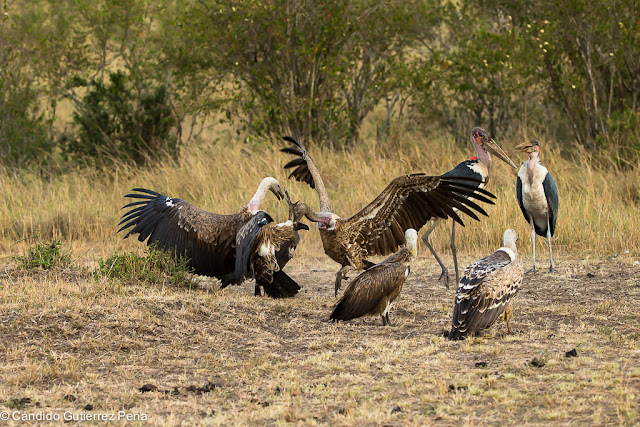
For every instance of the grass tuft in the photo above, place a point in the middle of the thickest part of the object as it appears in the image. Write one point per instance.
(154, 267)
(44, 255)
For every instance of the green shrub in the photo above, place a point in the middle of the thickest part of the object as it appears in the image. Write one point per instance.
(154, 267)
(45, 255)
(117, 121)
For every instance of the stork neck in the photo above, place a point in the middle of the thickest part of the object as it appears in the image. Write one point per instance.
(256, 200)
(533, 160)
(483, 155)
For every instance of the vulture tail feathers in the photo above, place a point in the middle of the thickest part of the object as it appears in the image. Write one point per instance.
(282, 286)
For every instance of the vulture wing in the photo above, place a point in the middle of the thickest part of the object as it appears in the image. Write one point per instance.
(206, 239)
(409, 201)
(485, 289)
(364, 293)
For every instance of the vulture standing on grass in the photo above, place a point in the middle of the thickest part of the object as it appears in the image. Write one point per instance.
(263, 248)
(408, 201)
(477, 168)
(486, 290)
(538, 198)
(374, 290)
(206, 239)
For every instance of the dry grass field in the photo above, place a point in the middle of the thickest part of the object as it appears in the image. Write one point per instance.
(221, 357)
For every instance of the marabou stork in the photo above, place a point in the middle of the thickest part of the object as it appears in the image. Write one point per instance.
(478, 169)
(538, 198)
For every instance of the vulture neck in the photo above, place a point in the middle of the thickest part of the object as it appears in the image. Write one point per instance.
(256, 200)
(323, 197)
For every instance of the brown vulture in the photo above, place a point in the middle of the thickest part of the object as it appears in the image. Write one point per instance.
(408, 201)
(208, 240)
(374, 290)
(486, 289)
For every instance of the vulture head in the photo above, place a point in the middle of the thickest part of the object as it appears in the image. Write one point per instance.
(411, 236)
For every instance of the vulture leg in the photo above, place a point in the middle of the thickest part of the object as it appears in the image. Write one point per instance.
(258, 292)
(384, 320)
(340, 275)
(388, 321)
(533, 247)
(425, 238)
(552, 268)
(454, 251)
(508, 316)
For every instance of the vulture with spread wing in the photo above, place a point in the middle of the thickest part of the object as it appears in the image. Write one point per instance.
(408, 201)
(486, 289)
(374, 290)
(207, 240)
(263, 248)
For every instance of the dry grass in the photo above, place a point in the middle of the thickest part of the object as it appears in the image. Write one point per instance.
(598, 213)
(279, 362)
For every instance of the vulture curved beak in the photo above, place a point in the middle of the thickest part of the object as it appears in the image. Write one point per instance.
(302, 226)
(492, 147)
(278, 192)
(528, 147)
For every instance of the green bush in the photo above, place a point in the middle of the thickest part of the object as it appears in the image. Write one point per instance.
(154, 267)
(45, 255)
(116, 121)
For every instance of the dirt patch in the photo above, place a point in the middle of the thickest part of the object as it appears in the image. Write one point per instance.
(217, 357)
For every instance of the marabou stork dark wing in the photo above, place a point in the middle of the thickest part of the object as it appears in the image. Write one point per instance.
(409, 201)
(206, 239)
(364, 293)
(519, 197)
(551, 193)
(485, 289)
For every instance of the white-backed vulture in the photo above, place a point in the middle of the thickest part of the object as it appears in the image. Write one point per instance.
(486, 289)
(263, 248)
(408, 201)
(207, 240)
(374, 290)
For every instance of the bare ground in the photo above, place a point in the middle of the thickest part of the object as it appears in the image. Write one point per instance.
(222, 357)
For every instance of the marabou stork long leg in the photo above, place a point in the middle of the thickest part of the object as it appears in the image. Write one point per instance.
(425, 238)
(454, 251)
(533, 247)
(552, 268)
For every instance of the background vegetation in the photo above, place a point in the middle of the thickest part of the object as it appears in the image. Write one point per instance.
(190, 98)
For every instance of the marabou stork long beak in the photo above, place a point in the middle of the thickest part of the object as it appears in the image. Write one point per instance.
(492, 147)
(528, 147)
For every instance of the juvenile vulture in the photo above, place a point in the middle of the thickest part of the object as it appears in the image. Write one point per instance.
(374, 290)
(206, 239)
(537, 195)
(477, 168)
(486, 289)
(263, 248)
(408, 201)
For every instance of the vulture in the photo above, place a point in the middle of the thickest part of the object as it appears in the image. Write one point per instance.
(263, 248)
(208, 240)
(477, 168)
(537, 195)
(486, 290)
(374, 290)
(408, 201)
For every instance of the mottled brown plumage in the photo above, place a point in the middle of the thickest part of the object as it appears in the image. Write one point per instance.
(206, 239)
(374, 290)
(409, 201)
(486, 289)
